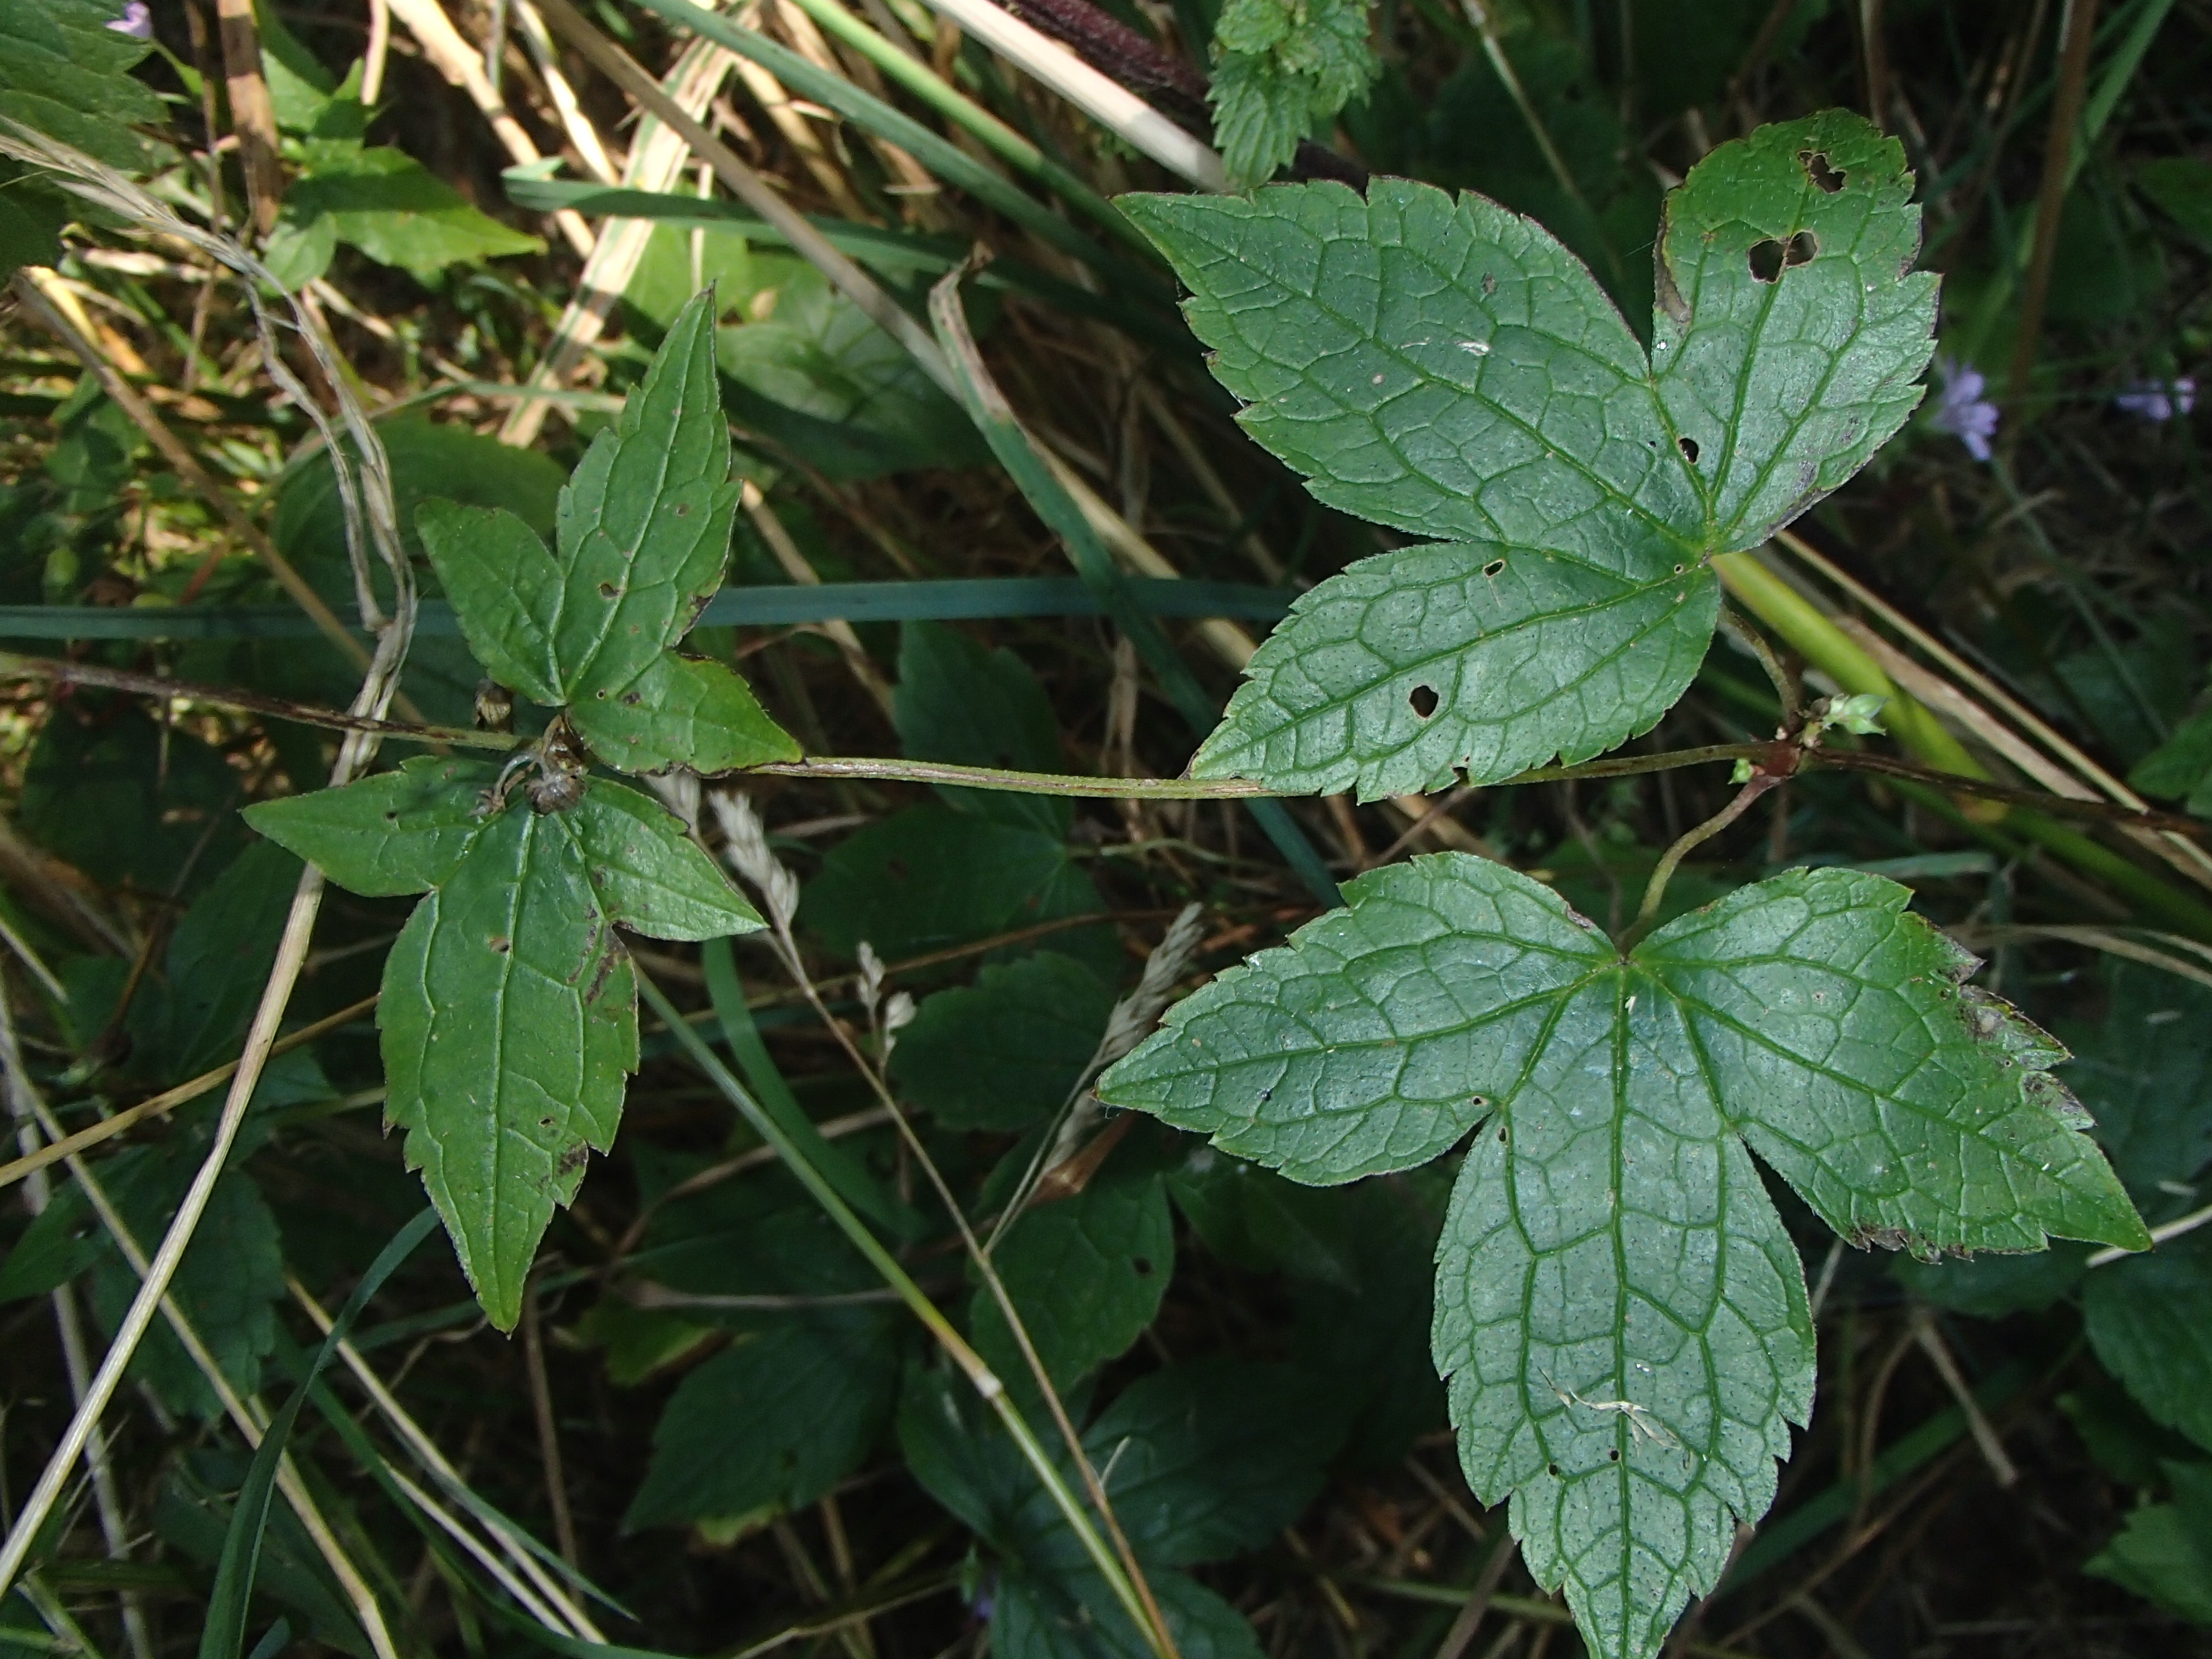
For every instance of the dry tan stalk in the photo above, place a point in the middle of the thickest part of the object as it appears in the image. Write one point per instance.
(450, 57)
(655, 162)
(251, 115)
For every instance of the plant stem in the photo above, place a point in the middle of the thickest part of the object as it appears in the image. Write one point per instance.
(1663, 871)
(985, 1381)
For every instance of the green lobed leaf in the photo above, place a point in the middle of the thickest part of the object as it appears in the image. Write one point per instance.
(1280, 67)
(396, 211)
(1447, 369)
(228, 1286)
(1201, 1482)
(1620, 1315)
(929, 876)
(643, 533)
(1006, 1051)
(1790, 326)
(772, 1423)
(652, 876)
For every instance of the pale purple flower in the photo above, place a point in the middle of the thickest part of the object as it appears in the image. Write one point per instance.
(2159, 400)
(137, 20)
(1962, 410)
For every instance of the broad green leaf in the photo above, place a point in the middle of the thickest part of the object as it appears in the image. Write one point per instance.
(1211, 1458)
(1620, 1315)
(2150, 1319)
(652, 876)
(2163, 1552)
(1074, 1616)
(108, 790)
(2182, 186)
(65, 73)
(681, 711)
(215, 967)
(399, 832)
(958, 700)
(929, 878)
(2145, 1074)
(396, 211)
(1447, 367)
(229, 1284)
(1410, 668)
(1049, 1603)
(1790, 328)
(642, 532)
(506, 592)
(1006, 1051)
(509, 1018)
(772, 1423)
(1085, 1273)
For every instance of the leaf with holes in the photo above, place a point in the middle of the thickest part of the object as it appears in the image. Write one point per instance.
(509, 1012)
(1621, 1316)
(1446, 368)
(643, 539)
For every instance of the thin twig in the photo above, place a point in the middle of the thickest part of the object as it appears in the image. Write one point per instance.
(2081, 31)
(2158, 1235)
(1663, 871)
(548, 1431)
(168, 1099)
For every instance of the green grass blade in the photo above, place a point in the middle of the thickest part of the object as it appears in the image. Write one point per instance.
(224, 1635)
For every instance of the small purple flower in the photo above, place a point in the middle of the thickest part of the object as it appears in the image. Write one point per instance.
(1962, 410)
(2159, 400)
(137, 20)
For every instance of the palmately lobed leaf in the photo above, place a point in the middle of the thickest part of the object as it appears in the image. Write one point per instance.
(642, 534)
(1621, 1316)
(1447, 367)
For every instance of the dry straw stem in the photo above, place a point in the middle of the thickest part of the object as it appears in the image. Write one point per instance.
(441, 1469)
(107, 1129)
(450, 57)
(32, 287)
(655, 160)
(371, 521)
(26, 1108)
(1106, 101)
(1996, 706)
(246, 1416)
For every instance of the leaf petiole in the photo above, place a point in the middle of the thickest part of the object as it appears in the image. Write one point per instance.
(1670, 861)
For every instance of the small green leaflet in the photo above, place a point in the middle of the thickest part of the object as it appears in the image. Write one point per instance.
(1279, 67)
(643, 534)
(509, 1012)
(1448, 369)
(1621, 1318)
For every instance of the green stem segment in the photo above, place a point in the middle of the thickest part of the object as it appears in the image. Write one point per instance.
(1827, 648)
(971, 1364)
